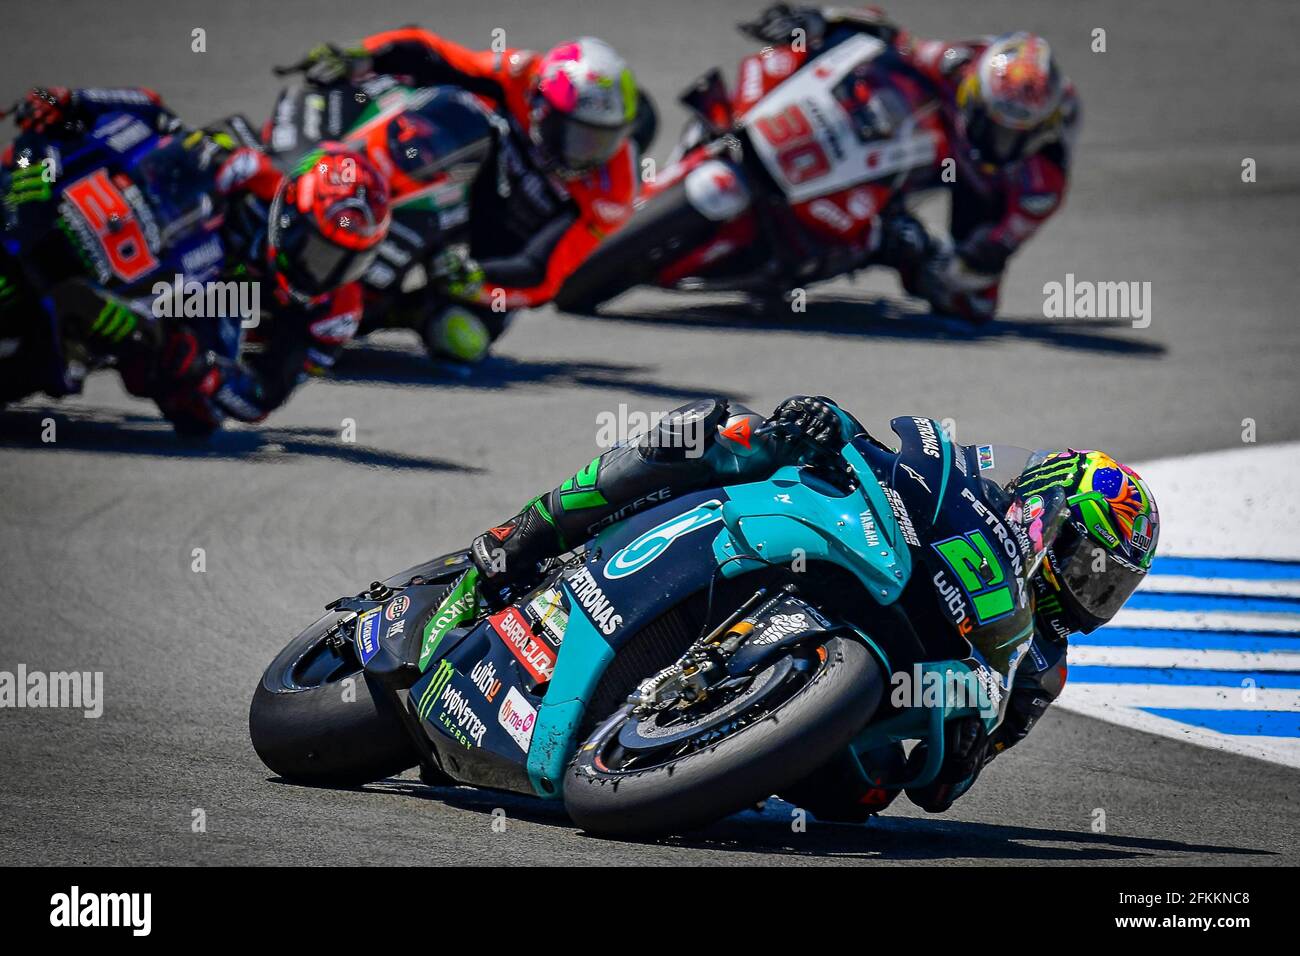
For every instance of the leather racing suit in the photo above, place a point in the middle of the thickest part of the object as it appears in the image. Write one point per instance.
(716, 442)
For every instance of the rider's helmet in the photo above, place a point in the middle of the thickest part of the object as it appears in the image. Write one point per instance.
(326, 222)
(1108, 540)
(1014, 89)
(582, 105)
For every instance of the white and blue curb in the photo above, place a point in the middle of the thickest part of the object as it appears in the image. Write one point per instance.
(1208, 649)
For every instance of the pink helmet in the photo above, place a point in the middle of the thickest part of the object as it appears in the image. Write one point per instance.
(583, 105)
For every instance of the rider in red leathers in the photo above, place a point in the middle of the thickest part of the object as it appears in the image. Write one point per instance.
(561, 173)
(1011, 116)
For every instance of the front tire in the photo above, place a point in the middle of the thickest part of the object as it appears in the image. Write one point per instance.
(735, 768)
(309, 726)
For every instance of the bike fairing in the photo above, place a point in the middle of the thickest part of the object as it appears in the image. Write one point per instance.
(445, 153)
(127, 258)
(624, 559)
(193, 204)
(861, 88)
(1000, 198)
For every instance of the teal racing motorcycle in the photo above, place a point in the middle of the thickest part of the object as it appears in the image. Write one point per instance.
(687, 662)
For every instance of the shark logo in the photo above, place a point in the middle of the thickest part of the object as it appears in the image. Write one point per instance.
(656, 541)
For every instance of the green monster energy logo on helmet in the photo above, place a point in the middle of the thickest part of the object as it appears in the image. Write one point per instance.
(1056, 472)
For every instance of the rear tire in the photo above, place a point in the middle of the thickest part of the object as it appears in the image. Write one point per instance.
(659, 233)
(741, 768)
(313, 732)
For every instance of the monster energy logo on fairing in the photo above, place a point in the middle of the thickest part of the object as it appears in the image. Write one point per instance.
(115, 322)
(431, 693)
(30, 184)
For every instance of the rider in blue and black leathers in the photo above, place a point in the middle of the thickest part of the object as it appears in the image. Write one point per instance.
(220, 185)
(716, 442)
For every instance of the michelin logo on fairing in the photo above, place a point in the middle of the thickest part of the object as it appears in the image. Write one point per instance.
(656, 541)
(781, 626)
(368, 635)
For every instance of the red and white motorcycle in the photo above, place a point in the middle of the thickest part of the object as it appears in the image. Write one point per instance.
(780, 183)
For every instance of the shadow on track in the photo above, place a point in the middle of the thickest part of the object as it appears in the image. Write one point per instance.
(110, 431)
(407, 365)
(904, 839)
(887, 319)
(887, 838)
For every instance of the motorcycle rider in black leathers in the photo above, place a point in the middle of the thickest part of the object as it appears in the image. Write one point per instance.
(738, 445)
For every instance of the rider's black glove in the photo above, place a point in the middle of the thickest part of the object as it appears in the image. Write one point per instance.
(1032, 693)
(965, 753)
(816, 417)
(777, 24)
(904, 243)
(328, 64)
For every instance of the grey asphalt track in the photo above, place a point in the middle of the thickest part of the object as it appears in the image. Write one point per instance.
(98, 527)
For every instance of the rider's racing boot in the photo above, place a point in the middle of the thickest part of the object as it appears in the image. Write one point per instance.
(509, 553)
(456, 334)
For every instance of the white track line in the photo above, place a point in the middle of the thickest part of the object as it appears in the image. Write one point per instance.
(1208, 620)
(1171, 695)
(1238, 503)
(1230, 504)
(1185, 658)
(1117, 704)
(1185, 584)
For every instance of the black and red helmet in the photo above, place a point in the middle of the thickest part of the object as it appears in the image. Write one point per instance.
(327, 221)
